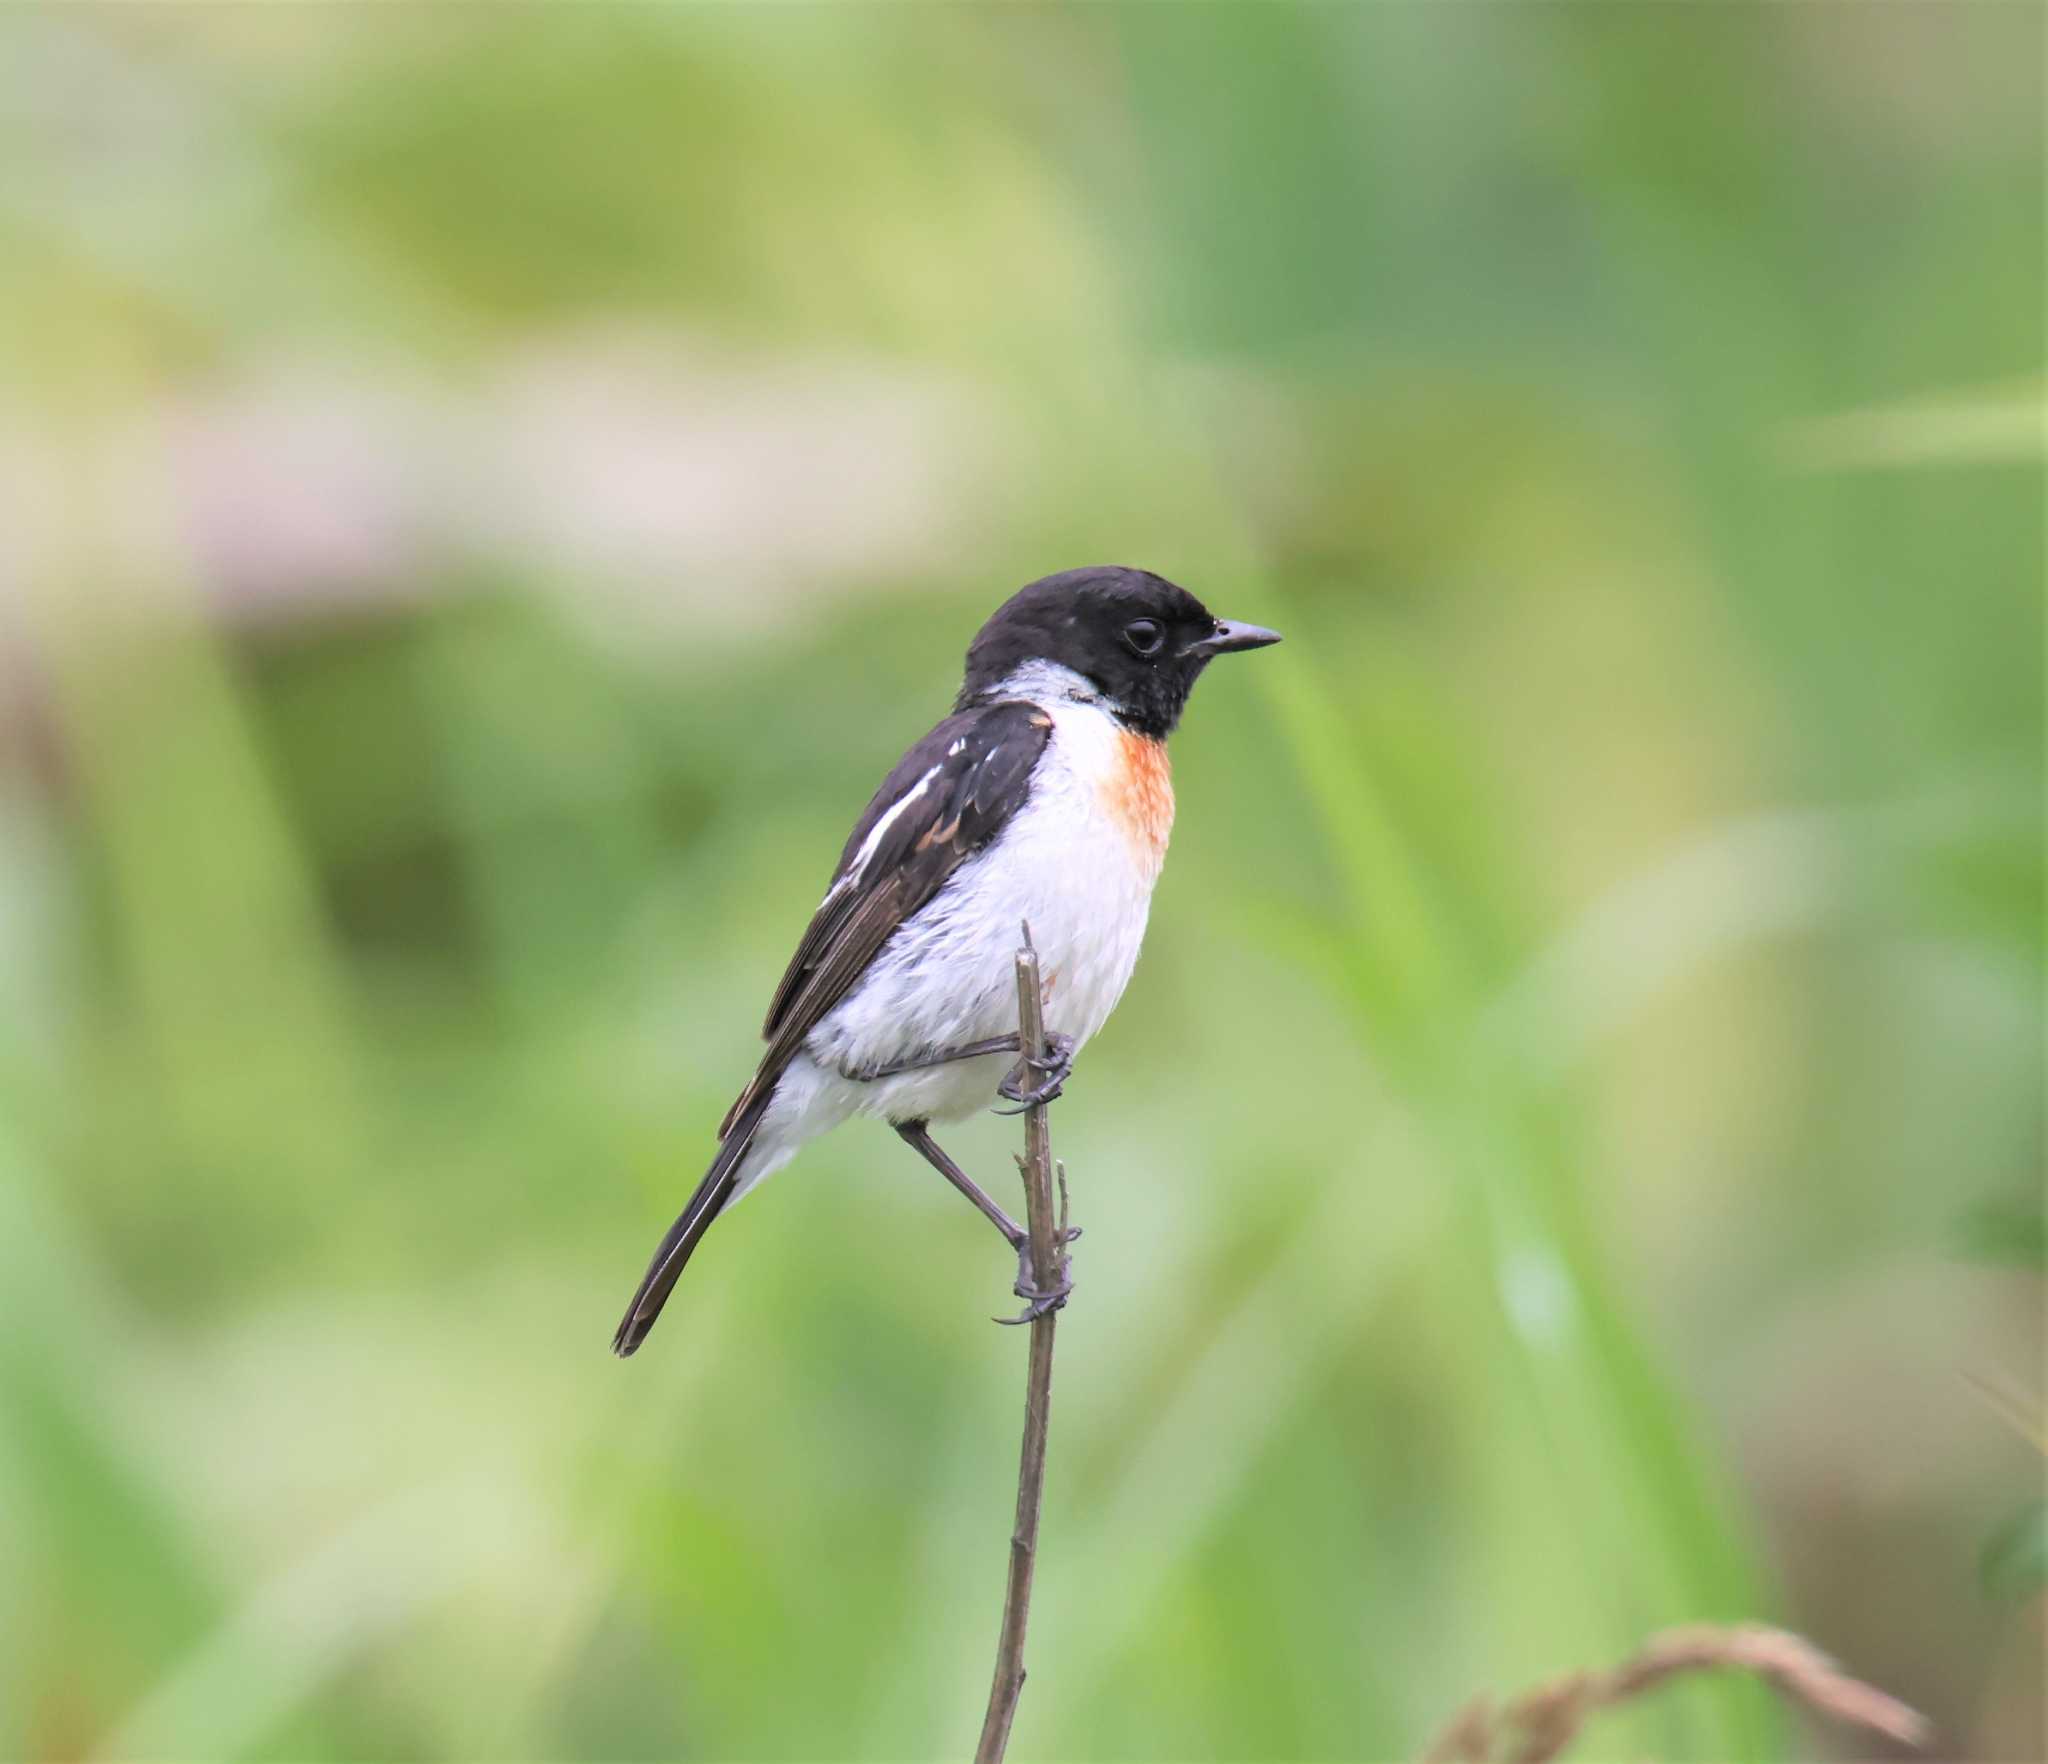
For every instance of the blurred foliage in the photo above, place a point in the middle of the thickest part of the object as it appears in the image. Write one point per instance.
(2007, 1229)
(2016, 1558)
(486, 495)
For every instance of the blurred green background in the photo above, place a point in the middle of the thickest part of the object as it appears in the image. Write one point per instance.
(484, 494)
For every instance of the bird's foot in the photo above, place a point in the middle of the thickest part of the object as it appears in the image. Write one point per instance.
(1053, 1068)
(1039, 1300)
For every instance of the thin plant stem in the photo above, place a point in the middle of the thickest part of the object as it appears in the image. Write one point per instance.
(1047, 1270)
(1538, 1727)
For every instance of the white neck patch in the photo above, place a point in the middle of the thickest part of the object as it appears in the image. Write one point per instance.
(1046, 682)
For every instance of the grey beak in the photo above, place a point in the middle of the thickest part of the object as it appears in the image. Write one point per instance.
(1230, 635)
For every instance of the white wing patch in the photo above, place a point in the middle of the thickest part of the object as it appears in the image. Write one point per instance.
(872, 842)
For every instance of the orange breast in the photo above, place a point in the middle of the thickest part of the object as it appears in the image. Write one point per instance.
(1139, 795)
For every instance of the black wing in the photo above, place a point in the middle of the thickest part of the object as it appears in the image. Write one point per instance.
(945, 800)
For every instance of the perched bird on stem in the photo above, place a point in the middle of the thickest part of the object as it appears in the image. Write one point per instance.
(1044, 801)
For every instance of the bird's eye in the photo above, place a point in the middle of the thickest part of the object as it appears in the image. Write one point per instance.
(1144, 636)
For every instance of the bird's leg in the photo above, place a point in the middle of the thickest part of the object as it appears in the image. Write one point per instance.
(1056, 1063)
(917, 1135)
(939, 1056)
(1054, 1067)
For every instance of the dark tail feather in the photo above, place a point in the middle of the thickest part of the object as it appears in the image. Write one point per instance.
(688, 1230)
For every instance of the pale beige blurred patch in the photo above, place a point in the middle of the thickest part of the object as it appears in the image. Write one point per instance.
(631, 472)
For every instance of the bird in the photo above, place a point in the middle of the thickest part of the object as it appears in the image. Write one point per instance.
(1039, 808)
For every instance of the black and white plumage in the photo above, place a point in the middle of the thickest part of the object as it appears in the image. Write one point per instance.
(1044, 799)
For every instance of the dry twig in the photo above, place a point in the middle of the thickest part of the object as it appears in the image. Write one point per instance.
(1539, 1726)
(1048, 1269)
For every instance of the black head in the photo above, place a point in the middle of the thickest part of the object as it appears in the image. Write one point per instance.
(1136, 638)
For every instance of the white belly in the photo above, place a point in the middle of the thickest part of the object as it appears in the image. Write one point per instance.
(1069, 866)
